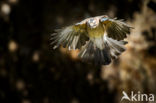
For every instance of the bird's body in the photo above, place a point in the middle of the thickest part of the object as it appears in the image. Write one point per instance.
(101, 37)
(96, 32)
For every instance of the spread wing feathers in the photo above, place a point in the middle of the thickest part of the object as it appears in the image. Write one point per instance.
(111, 50)
(72, 37)
(116, 29)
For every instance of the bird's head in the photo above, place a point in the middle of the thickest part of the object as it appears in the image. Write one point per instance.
(93, 23)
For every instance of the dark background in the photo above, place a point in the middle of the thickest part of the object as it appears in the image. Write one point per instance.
(31, 72)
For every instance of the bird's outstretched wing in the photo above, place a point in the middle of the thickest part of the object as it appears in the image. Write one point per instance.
(72, 37)
(115, 29)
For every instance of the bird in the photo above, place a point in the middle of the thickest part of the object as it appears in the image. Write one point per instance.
(100, 39)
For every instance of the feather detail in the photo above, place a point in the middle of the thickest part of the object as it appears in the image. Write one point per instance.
(72, 37)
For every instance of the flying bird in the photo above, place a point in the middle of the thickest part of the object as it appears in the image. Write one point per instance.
(100, 39)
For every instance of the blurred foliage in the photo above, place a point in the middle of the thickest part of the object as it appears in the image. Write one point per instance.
(30, 72)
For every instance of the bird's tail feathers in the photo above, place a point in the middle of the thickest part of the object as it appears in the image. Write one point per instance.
(90, 52)
(115, 47)
(111, 50)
